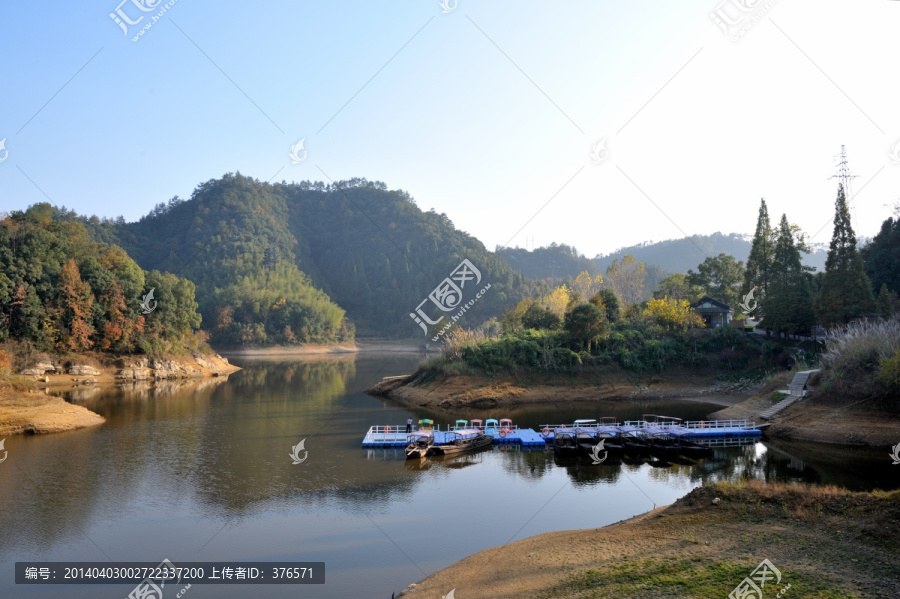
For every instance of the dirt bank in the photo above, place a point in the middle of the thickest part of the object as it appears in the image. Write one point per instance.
(424, 389)
(36, 412)
(817, 417)
(825, 542)
(26, 408)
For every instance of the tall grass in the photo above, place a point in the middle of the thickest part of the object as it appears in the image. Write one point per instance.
(859, 346)
(857, 352)
(458, 340)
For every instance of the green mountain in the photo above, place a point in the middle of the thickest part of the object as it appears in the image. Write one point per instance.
(554, 261)
(299, 262)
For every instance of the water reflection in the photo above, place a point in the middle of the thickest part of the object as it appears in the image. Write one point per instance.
(176, 462)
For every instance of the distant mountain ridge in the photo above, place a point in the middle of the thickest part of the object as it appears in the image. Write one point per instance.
(671, 255)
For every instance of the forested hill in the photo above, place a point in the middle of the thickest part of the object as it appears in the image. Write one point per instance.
(556, 261)
(281, 263)
(59, 290)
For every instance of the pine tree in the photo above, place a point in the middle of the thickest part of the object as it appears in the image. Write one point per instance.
(788, 305)
(846, 290)
(762, 253)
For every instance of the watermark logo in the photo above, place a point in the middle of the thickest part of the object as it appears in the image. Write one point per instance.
(121, 18)
(3, 151)
(599, 153)
(298, 154)
(749, 304)
(736, 17)
(448, 6)
(752, 586)
(894, 154)
(295, 453)
(449, 595)
(148, 299)
(448, 296)
(895, 456)
(148, 589)
(595, 452)
(2, 441)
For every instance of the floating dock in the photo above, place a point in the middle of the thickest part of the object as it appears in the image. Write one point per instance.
(702, 430)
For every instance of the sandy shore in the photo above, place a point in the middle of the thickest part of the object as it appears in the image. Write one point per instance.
(36, 412)
(825, 542)
(26, 408)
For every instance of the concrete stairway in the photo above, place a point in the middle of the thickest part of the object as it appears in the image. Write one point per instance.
(796, 390)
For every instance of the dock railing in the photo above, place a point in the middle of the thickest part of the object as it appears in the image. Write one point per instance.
(696, 424)
(693, 424)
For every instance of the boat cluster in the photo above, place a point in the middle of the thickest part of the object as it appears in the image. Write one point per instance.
(463, 436)
(592, 437)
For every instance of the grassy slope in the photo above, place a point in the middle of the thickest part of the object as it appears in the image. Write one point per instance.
(827, 543)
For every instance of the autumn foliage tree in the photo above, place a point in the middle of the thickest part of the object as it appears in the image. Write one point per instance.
(672, 313)
(75, 301)
(61, 290)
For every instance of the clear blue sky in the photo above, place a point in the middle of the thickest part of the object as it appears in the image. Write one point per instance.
(487, 112)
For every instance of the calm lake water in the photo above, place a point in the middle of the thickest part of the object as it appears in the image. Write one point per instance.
(202, 472)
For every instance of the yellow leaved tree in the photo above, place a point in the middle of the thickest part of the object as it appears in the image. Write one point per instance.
(672, 313)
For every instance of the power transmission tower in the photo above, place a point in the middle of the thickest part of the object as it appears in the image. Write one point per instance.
(846, 178)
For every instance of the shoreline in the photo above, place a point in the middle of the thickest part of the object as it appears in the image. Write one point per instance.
(26, 407)
(815, 418)
(701, 546)
(353, 347)
(420, 389)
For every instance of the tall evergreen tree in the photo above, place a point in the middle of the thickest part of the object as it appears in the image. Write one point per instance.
(788, 305)
(881, 256)
(846, 290)
(762, 253)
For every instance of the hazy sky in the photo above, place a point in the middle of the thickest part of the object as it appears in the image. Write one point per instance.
(488, 111)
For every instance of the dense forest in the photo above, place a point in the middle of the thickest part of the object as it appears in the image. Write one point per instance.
(300, 262)
(60, 290)
(556, 261)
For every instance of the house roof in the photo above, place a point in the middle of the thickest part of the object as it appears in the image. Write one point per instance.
(703, 301)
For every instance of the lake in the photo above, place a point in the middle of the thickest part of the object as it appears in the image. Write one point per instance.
(202, 472)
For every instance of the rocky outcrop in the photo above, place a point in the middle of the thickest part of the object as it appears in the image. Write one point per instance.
(130, 369)
(83, 370)
(42, 367)
(133, 373)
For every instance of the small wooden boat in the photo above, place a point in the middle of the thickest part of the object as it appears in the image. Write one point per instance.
(565, 440)
(419, 444)
(692, 449)
(464, 440)
(662, 444)
(633, 440)
(588, 439)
